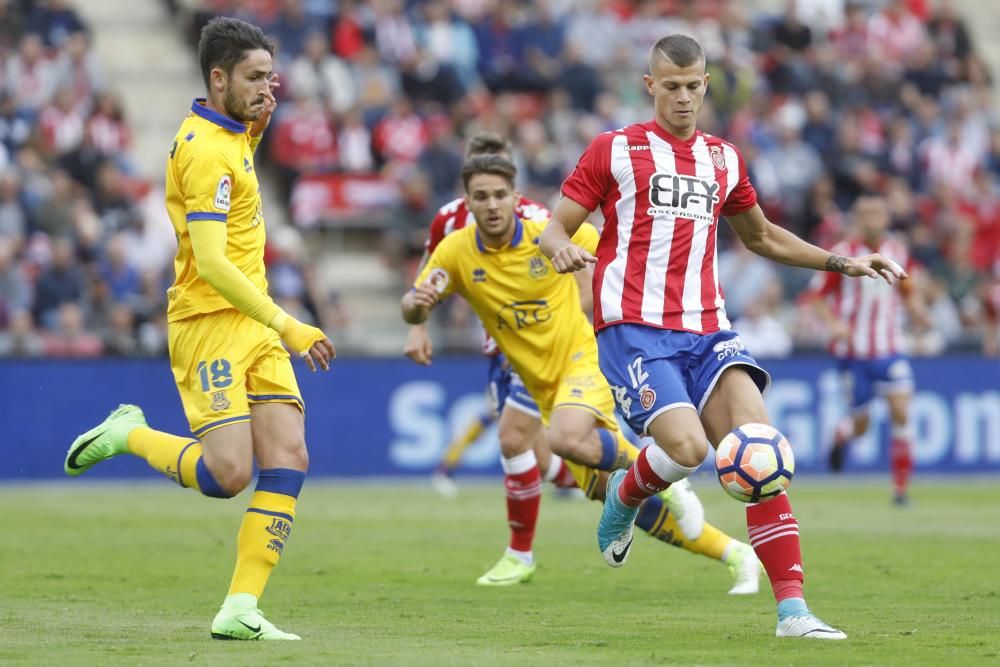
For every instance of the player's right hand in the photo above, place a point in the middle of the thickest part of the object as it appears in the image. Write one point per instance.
(418, 345)
(309, 343)
(572, 258)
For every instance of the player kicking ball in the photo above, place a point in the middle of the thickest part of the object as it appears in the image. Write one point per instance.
(225, 333)
(679, 372)
(535, 317)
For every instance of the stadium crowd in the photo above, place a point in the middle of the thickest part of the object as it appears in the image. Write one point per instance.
(831, 99)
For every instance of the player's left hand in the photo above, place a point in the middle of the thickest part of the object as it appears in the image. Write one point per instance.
(320, 354)
(874, 266)
(571, 257)
(270, 104)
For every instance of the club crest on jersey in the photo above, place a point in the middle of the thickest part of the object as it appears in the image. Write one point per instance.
(439, 279)
(219, 401)
(647, 397)
(223, 192)
(538, 267)
(479, 275)
(247, 167)
(718, 159)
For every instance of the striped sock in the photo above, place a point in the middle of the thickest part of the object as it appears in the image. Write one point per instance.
(524, 496)
(774, 536)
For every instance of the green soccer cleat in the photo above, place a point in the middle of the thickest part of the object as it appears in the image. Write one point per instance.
(745, 568)
(246, 623)
(107, 439)
(508, 571)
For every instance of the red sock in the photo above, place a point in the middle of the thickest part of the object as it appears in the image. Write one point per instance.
(524, 495)
(640, 481)
(564, 478)
(774, 535)
(901, 463)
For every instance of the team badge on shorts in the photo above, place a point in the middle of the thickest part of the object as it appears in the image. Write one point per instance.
(718, 159)
(647, 397)
(219, 401)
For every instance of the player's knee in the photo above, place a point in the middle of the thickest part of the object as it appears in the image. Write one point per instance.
(513, 442)
(574, 444)
(688, 452)
(233, 477)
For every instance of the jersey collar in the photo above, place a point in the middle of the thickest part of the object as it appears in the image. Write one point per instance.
(198, 108)
(514, 240)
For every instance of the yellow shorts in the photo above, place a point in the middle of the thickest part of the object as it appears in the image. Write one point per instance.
(581, 385)
(225, 361)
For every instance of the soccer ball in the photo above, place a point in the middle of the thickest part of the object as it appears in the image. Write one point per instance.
(754, 462)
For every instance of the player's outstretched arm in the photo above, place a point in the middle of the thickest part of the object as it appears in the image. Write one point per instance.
(767, 239)
(418, 303)
(556, 243)
(208, 241)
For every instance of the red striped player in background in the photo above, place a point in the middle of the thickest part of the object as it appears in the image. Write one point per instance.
(865, 321)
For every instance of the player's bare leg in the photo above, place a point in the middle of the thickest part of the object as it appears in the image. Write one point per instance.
(275, 437)
(900, 445)
(523, 484)
(773, 530)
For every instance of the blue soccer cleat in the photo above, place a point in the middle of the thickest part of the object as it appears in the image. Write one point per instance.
(614, 532)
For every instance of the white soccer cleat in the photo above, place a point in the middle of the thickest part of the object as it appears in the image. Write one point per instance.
(686, 507)
(444, 485)
(745, 568)
(809, 627)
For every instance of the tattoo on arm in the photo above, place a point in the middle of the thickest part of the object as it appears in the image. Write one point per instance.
(836, 263)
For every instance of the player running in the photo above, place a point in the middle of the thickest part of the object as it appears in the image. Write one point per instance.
(225, 333)
(866, 336)
(534, 316)
(679, 372)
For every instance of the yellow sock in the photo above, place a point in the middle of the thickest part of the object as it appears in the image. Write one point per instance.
(657, 520)
(459, 445)
(616, 451)
(172, 455)
(586, 478)
(265, 529)
(627, 452)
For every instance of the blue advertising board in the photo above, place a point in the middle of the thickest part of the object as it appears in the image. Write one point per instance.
(384, 417)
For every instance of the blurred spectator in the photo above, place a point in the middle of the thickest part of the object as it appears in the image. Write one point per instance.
(108, 130)
(302, 139)
(69, 338)
(19, 338)
(760, 328)
(13, 219)
(290, 28)
(354, 142)
(318, 73)
(78, 67)
(441, 161)
(15, 124)
(62, 123)
(117, 272)
(449, 40)
(30, 75)
(401, 134)
(15, 288)
(60, 283)
(55, 21)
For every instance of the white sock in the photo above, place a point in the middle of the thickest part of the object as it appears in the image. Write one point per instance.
(555, 462)
(525, 557)
(516, 465)
(665, 467)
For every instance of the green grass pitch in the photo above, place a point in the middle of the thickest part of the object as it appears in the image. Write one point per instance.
(376, 574)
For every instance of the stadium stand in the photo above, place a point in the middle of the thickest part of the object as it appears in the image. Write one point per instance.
(826, 98)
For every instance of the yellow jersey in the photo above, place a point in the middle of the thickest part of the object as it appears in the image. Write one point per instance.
(210, 176)
(531, 311)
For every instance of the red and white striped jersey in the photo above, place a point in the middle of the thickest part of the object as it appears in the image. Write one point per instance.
(872, 309)
(661, 197)
(455, 215)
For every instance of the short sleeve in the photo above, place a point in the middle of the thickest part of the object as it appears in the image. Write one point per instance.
(439, 271)
(207, 181)
(588, 183)
(743, 196)
(440, 224)
(587, 237)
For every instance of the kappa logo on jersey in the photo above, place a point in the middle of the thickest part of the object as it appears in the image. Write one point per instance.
(729, 348)
(439, 279)
(523, 314)
(223, 192)
(479, 275)
(638, 148)
(683, 196)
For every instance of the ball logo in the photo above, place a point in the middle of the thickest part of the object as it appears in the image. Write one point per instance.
(647, 397)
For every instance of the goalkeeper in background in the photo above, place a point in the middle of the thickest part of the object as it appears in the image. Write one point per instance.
(235, 379)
